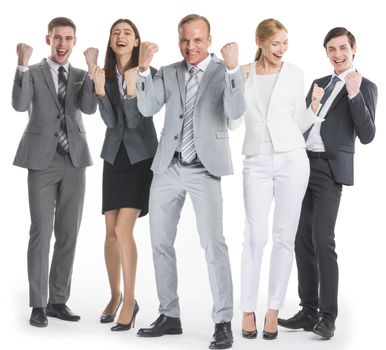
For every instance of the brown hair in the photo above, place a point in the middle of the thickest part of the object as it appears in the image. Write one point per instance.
(61, 22)
(191, 18)
(339, 31)
(110, 58)
(265, 30)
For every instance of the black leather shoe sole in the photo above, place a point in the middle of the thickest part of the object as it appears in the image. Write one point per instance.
(284, 324)
(323, 333)
(220, 346)
(173, 331)
(38, 324)
(62, 317)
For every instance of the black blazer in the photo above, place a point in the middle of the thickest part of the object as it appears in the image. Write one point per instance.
(345, 120)
(125, 123)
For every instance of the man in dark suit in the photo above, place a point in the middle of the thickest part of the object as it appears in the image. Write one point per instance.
(347, 112)
(55, 152)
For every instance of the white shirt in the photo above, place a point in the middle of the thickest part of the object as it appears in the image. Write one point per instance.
(314, 141)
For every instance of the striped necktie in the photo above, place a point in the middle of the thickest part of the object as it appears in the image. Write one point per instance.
(62, 87)
(188, 150)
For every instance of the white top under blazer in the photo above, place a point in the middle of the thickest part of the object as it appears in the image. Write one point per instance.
(286, 118)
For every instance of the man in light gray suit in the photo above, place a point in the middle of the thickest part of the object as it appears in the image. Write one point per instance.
(200, 93)
(55, 152)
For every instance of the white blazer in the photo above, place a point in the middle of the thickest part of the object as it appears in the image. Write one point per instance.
(287, 117)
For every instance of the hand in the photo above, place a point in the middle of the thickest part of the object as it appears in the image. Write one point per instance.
(353, 83)
(230, 53)
(24, 53)
(130, 80)
(91, 55)
(98, 77)
(317, 94)
(146, 53)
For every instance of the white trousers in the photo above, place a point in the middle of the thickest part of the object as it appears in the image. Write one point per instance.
(283, 177)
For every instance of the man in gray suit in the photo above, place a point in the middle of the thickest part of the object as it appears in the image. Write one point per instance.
(55, 152)
(200, 93)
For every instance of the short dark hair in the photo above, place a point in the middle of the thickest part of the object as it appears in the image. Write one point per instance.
(339, 31)
(61, 22)
(191, 18)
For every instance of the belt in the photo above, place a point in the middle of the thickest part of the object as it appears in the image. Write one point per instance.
(178, 155)
(320, 155)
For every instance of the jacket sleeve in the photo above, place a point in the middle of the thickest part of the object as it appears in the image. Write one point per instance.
(234, 102)
(150, 93)
(362, 108)
(22, 92)
(107, 111)
(88, 99)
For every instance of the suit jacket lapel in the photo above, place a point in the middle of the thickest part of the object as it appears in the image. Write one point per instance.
(281, 79)
(342, 92)
(112, 91)
(181, 70)
(46, 70)
(207, 77)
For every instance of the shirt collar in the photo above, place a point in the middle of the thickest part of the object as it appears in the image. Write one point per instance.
(55, 66)
(203, 65)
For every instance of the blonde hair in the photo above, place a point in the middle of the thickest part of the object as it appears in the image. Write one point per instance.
(265, 30)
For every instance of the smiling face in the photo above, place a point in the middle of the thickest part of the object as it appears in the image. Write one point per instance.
(194, 41)
(61, 40)
(340, 53)
(122, 39)
(274, 48)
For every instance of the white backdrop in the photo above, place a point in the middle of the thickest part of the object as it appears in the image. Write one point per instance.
(359, 232)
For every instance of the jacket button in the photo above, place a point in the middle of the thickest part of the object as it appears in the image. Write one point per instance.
(58, 116)
(176, 137)
(181, 116)
(56, 134)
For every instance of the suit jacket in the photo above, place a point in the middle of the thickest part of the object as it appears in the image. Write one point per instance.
(125, 123)
(345, 120)
(286, 119)
(34, 90)
(220, 96)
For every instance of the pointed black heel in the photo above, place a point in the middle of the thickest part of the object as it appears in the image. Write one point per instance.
(250, 334)
(125, 327)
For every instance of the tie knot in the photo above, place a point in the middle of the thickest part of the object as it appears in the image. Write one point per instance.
(193, 70)
(334, 80)
(61, 69)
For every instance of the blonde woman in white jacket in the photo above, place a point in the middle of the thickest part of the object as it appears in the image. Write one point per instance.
(276, 168)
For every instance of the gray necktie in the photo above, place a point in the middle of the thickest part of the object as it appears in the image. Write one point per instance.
(329, 89)
(188, 150)
(62, 87)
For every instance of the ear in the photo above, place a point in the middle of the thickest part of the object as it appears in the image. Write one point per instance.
(210, 40)
(354, 50)
(48, 40)
(259, 43)
(136, 43)
(74, 41)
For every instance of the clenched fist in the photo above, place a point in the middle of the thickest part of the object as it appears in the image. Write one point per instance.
(24, 53)
(317, 94)
(91, 55)
(230, 54)
(146, 53)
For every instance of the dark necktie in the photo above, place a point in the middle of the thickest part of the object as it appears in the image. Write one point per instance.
(329, 89)
(188, 150)
(62, 87)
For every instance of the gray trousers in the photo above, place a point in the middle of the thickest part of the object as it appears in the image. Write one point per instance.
(167, 197)
(56, 197)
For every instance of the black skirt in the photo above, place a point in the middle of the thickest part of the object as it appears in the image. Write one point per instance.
(126, 185)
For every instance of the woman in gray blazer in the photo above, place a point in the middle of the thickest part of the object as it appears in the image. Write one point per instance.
(128, 150)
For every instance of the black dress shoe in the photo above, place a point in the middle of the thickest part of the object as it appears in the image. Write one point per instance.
(302, 319)
(325, 327)
(38, 317)
(161, 326)
(125, 327)
(250, 334)
(105, 318)
(61, 311)
(222, 337)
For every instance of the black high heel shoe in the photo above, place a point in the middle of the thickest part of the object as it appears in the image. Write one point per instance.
(250, 334)
(105, 318)
(269, 335)
(125, 327)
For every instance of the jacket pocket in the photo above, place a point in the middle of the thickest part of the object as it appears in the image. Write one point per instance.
(33, 129)
(222, 134)
(346, 148)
